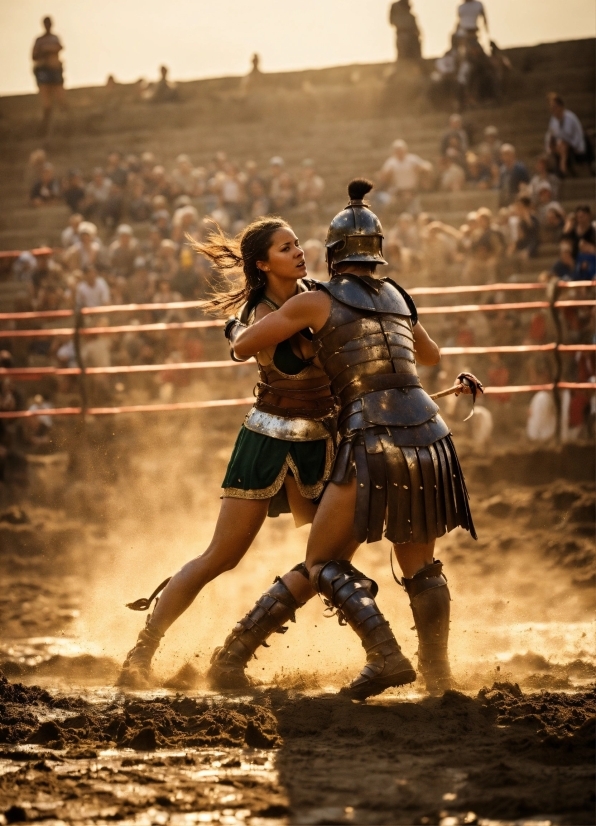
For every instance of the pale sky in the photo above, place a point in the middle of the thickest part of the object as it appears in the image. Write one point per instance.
(196, 38)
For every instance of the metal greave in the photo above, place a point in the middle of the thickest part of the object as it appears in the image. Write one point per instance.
(430, 602)
(274, 608)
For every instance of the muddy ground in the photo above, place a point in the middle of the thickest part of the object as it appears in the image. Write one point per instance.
(514, 745)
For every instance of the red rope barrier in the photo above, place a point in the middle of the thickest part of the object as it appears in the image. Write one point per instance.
(123, 328)
(132, 408)
(41, 372)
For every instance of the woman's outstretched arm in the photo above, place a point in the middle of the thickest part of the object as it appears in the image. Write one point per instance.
(304, 310)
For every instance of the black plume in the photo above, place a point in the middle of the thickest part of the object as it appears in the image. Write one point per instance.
(358, 188)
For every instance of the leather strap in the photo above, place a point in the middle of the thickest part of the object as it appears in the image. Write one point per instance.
(385, 381)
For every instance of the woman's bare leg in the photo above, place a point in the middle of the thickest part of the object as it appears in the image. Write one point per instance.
(238, 523)
(303, 511)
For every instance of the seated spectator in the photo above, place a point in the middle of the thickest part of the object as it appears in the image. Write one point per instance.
(114, 206)
(160, 183)
(314, 255)
(166, 295)
(123, 251)
(455, 137)
(564, 141)
(310, 186)
(478, 174)
(554, 223)
(282, 191)
(453, 176)
(232, 195)
(37, 160)
(139, 207)
(140, 283)
(92, 291)
(183, 180)
(150, 248)
(528, 231)
(258, 202)
(166, 265)
(400, 177)
(73, 190)
(580, 227)
(185, 221)
(485, 252)
(585, 264)
(543, 176)
(407, 233)
(85, 250)
(564, 266)
(71, 233)
(46, 190)
(115, 170)
(97, 193)
(491, 144)
(513, 175)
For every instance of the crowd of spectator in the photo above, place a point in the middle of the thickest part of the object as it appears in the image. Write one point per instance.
(126, 242)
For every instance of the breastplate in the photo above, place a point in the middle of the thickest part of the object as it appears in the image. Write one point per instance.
(368, 354)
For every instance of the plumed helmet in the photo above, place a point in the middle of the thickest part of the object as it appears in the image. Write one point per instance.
(355, 234)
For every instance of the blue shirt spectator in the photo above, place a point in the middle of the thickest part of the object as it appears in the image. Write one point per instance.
(512, 175)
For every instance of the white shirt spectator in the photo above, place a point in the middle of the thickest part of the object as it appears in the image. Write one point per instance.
(468, 14)
(92, 295)
(404, 174)
(542, 417)
(568, 129)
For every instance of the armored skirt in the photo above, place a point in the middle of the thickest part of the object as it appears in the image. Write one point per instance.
(419, 493)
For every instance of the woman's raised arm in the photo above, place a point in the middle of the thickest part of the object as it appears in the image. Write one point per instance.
(304, 310)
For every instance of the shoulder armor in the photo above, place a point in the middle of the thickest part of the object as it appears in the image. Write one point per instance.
(408, 299)
(375, 296)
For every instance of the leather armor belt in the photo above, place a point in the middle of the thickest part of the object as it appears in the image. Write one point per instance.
(369, 384)
(292, 429)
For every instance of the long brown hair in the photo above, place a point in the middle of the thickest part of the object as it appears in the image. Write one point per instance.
(239, 253)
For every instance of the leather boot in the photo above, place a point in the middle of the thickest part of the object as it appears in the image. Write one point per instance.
(228, 663)
(430, 603)
(353, 596)
(136, 669)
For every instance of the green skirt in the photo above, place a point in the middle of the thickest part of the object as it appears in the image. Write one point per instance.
(260, 464)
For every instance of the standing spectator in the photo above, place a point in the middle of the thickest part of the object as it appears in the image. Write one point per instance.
(513, 174)
(92, 291)
(579, 227)
(400, 176)
(564, 140)
(406, 31)
(468, 15)
(73, 191)
(47, 68)
(47, 189)
(455, 137)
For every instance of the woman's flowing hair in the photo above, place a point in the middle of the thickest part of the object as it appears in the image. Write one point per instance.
(238, 254)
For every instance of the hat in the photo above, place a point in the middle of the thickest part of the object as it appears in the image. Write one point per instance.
(88, 228)
(124, 229)
(276, 161)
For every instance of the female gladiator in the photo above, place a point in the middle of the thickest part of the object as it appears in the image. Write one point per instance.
(281, 461)
(396, 467)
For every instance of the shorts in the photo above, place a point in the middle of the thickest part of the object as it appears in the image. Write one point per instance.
(48, 77)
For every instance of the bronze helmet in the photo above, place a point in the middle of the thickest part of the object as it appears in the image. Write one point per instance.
(355, 234)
